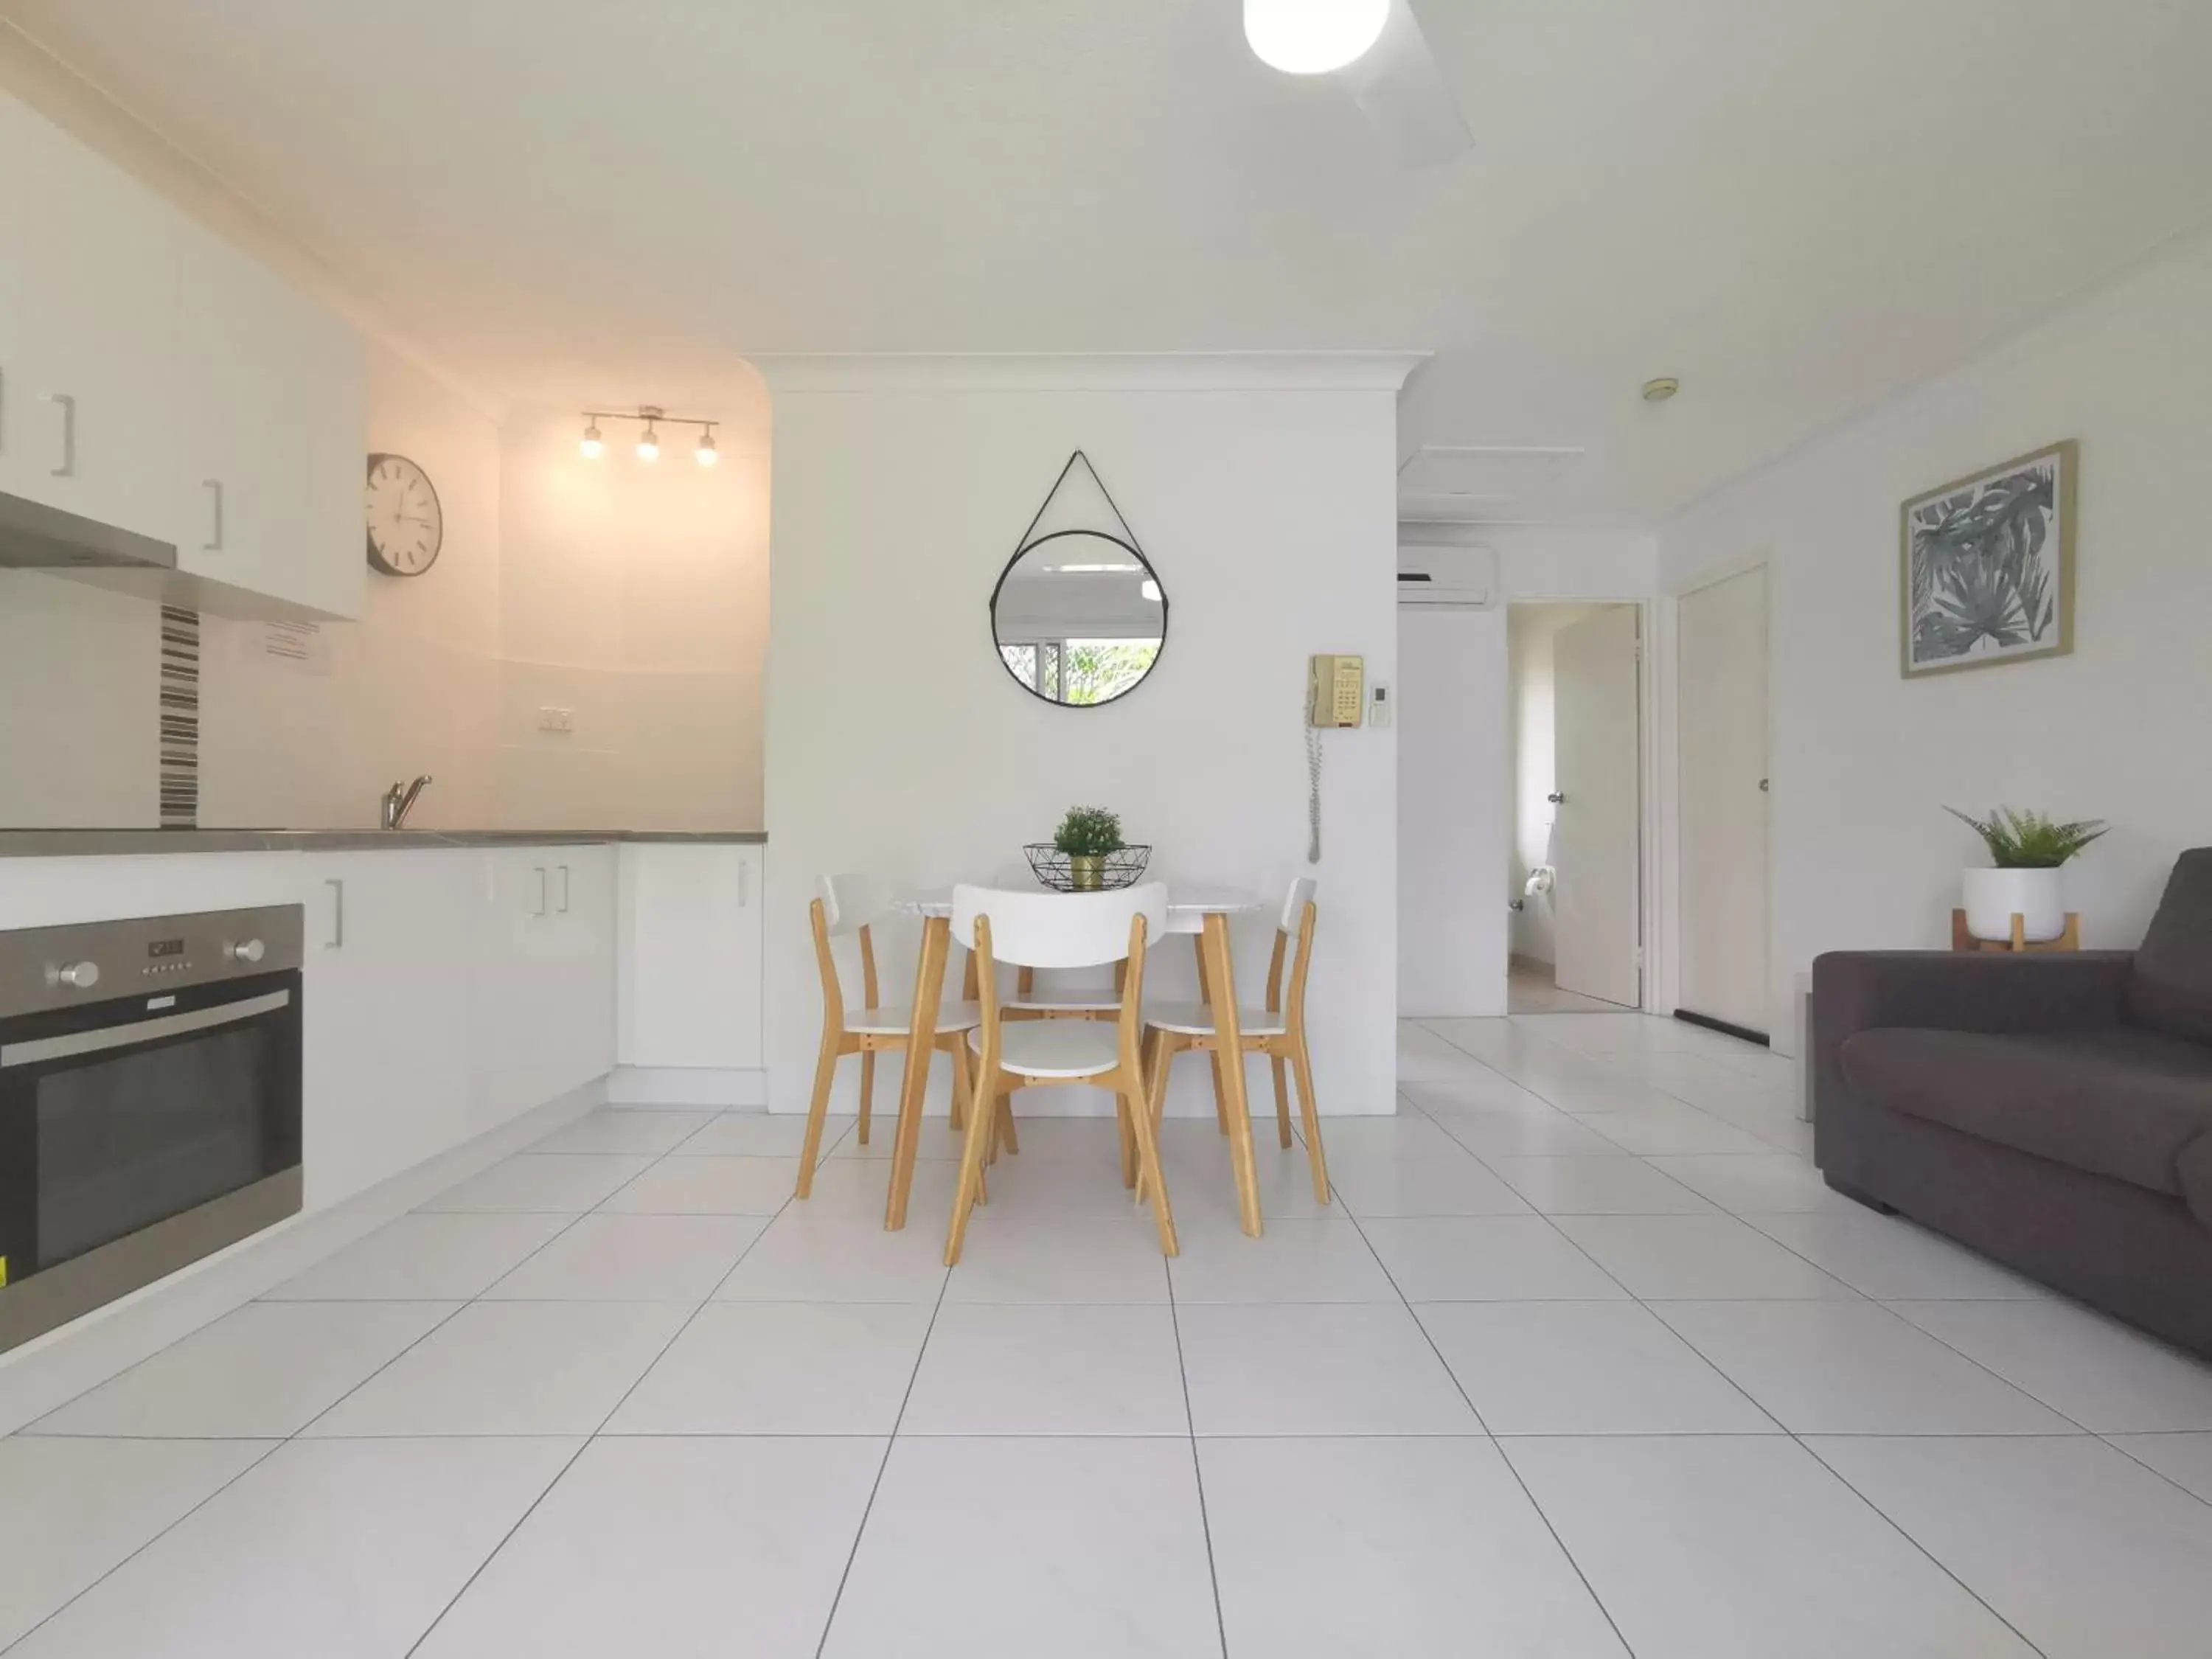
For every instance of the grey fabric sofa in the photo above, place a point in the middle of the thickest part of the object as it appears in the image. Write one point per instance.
(2053, 1111)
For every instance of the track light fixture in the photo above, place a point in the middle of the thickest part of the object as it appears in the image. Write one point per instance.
(652, 417)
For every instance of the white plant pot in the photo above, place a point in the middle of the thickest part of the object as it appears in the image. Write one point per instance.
(1993, 896)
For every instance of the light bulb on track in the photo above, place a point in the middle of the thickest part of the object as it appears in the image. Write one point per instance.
(592, 448)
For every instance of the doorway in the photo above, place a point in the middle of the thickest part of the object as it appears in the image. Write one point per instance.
(1721, 838)
(1574, 879)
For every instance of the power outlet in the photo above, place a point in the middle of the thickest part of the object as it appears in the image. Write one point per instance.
(557, 720)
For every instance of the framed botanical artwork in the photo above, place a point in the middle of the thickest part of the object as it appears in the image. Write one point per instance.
(1987, 567)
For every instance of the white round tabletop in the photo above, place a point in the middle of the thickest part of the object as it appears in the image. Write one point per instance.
(1188, 906)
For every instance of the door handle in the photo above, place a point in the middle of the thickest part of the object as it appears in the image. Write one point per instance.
(539, 871)
(338, 914)
(215, 503)
(67, 404)
(1556, 800)
(1762, 785)
(744, 881)
(563, 906)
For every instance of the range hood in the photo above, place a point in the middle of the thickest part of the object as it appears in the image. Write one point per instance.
(34, 536)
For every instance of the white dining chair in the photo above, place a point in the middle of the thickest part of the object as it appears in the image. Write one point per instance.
(852, 904)
(1060, 930)
(1278, 1031)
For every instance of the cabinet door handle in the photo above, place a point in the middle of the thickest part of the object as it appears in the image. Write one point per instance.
(214, 507)
(539, 871)
(744, 881)
(338, 914)
(564, 890)
(68, 407)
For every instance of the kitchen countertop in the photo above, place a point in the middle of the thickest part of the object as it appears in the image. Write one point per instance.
(107, 843)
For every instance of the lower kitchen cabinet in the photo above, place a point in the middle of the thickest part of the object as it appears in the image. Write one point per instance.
(543, 977)
(387, 1027)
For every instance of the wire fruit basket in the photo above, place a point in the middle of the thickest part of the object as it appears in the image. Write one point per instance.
(1082, 872)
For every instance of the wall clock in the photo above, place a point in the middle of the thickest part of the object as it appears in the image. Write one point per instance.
(406, 526)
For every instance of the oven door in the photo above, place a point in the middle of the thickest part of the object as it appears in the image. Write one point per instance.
(138, 1134)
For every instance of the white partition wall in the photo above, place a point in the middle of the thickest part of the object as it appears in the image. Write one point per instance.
(1262, 490)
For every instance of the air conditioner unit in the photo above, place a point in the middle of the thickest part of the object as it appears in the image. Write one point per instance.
(1463, 577)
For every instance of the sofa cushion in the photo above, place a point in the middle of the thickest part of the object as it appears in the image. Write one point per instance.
(2170, 985)
(2119, 1101)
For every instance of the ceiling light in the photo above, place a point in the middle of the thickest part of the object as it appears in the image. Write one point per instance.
(705, 454)
(1658, 391)
(592, 448)
(648, 444)
(1312, 37)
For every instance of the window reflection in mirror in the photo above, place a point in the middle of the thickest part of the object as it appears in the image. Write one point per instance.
(1079, 617)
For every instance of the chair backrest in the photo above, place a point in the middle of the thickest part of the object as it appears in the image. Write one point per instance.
(1294, 905)
(850, 902)
(1295, 926)
(1060, 930)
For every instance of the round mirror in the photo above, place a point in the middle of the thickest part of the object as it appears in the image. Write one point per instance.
(1078, 618)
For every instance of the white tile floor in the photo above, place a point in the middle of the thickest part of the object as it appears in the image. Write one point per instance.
(1582, 1360)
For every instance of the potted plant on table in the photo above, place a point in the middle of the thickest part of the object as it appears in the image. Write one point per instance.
(2027, 852)
(1087, 835)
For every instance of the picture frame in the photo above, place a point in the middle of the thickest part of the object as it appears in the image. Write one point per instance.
(1986, 566)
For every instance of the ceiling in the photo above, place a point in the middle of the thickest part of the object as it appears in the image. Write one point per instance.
(1797, 207)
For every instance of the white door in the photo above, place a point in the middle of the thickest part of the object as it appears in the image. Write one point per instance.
(1597, 907)
(1722, 842)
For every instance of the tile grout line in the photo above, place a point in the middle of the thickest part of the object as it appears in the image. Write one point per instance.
(1588, 1589)
(891, 1444)
(1197, 1465)
(1795, 1438)
(585, 1444)
(1798, 1440)
(275, 1443)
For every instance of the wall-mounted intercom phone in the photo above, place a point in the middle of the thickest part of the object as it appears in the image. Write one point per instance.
(1336, 691)
(1336, 697)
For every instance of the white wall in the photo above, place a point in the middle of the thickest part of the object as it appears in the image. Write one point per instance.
(1863, 761)
(1261, 492)
(634, 596)
(1453, 832)
(1530, 631)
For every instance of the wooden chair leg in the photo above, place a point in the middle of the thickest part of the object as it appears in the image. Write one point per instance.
(1126, 1133)
(962, 1090)
(1228, 1051)
(825, 1074)
(1206, 997)
(972, 1149)
(1006, 1130)
(1282, 1100)
(1310, 1110)
(1153, 1179)
(1163, 1049)
(867, 1090)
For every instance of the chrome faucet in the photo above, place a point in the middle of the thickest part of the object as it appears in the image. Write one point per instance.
(398, 802)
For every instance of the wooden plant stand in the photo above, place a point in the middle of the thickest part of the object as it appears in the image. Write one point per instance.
(1963, 940)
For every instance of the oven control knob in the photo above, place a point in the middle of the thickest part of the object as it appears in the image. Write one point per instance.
(83, 974)
(250, 949)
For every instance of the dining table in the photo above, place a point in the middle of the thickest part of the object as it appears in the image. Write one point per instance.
(1201, 909)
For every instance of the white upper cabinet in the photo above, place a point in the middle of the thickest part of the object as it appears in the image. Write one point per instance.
(271, 444)
(92, 404)
(155, 377)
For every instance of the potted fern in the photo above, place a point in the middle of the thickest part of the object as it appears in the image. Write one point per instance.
(1087, 835)
(2027, 851)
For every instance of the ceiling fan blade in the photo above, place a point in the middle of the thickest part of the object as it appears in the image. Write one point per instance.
(1399, 88)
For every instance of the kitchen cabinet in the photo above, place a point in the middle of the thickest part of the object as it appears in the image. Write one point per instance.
(155, 377)
(543, 977)
(387, 1030)
(690, 984)
(92, 397)
(267, 493)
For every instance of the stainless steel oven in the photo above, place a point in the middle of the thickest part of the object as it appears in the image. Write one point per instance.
(149, 1102)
